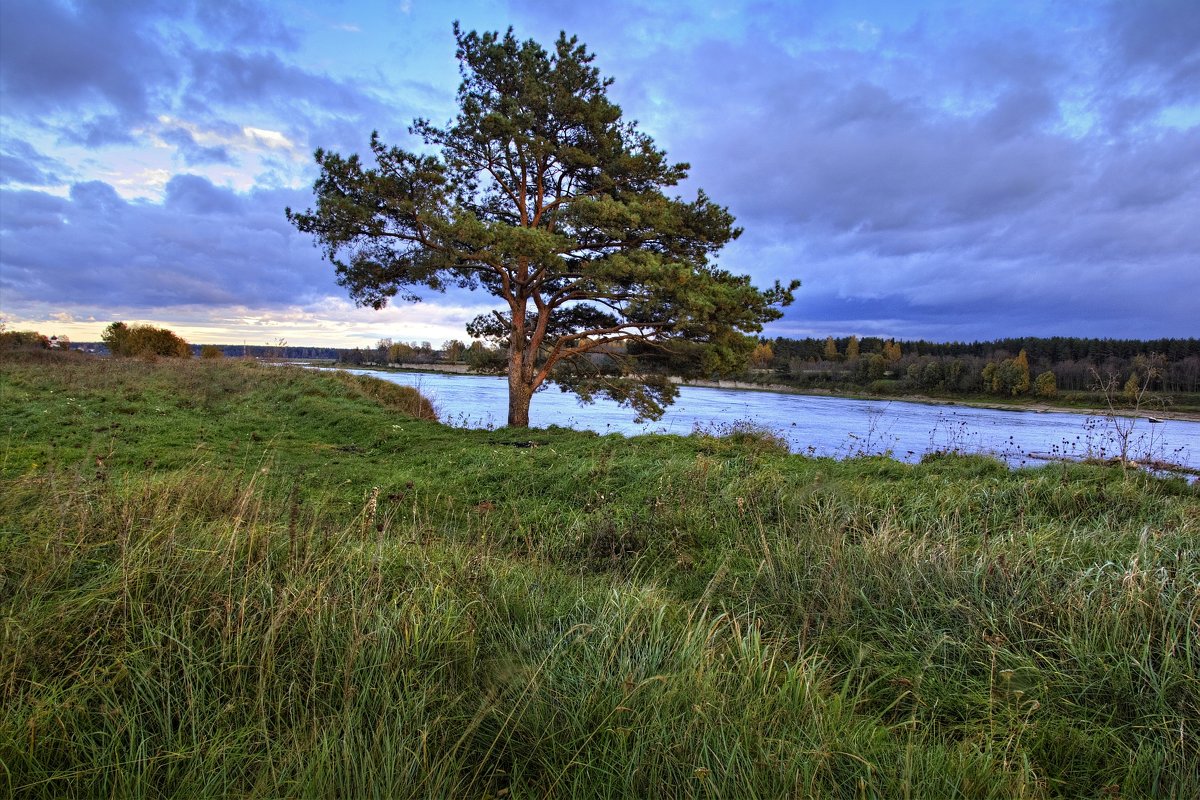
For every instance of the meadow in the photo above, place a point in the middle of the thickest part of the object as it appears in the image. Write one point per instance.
(219, 578)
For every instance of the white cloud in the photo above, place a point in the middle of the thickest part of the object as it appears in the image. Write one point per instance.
(268, 138)
(148, 181)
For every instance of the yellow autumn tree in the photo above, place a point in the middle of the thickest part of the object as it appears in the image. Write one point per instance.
(1009, 377)
(1046, 385)
(831, 351)
(454, 350)
(1022, 382)
(762, 356)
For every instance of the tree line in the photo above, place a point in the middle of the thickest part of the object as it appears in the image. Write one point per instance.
(1009, 367)
(1054, 348)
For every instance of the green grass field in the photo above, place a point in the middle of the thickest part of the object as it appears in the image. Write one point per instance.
(221, 579)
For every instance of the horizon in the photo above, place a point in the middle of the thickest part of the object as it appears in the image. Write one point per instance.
(930, 172)
(438, 346)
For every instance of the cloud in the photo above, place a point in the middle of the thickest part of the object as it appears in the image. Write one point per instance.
(204, 245)
(263, 80)
(955, 196)
(271, 139)
(1160, 36)
(243, 22)
(328, 321)
(194, 153)
(1154, 61)
(193, 195)
(204, 250)
(945, 170)
(55, 59)
(100, 74)
(21, 163)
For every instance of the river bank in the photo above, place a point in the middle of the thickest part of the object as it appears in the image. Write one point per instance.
(1040, 406)
(829, 425)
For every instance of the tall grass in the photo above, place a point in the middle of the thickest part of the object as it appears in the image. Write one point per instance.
(330, 599)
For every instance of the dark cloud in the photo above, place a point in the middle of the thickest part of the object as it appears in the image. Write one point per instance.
(20, 162)
(99, 130)
(264, 80)
(29, 213)
(204, 245)
(1020, 111)
(193, 195)
(98, 198)
(1154, 49)
(244, 22)
(103, 73)
(55, 58)
(193, 153)
(960, 197)
(1162, 36)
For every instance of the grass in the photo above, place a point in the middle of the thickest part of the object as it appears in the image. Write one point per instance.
(222, 579)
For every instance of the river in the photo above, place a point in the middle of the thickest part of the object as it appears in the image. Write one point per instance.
(825, 426)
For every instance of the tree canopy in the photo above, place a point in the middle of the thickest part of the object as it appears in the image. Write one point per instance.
(145, 341)
(540, 194)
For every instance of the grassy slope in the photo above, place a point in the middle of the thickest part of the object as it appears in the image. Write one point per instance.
(226, 579)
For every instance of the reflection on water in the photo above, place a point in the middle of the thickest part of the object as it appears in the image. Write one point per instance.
(822, 426)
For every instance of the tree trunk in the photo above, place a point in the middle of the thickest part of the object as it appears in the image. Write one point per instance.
(518, 402)
(519, 393)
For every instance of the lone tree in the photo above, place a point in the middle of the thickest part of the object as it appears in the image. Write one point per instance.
(541, 195)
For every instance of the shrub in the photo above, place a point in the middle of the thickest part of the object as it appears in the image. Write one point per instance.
(144, 341)
(743, 434)
(23, 340)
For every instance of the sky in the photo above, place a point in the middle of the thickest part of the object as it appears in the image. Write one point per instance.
(952, 171)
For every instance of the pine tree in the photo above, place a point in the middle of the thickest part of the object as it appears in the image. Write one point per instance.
(539, 194)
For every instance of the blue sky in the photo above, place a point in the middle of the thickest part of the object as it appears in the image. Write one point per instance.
(941, 170)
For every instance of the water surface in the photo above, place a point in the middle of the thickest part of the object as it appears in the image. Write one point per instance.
(824, 426)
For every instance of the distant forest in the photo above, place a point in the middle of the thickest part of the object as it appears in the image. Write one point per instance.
(260, 351)
(1013, 367)
(1053, 349)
